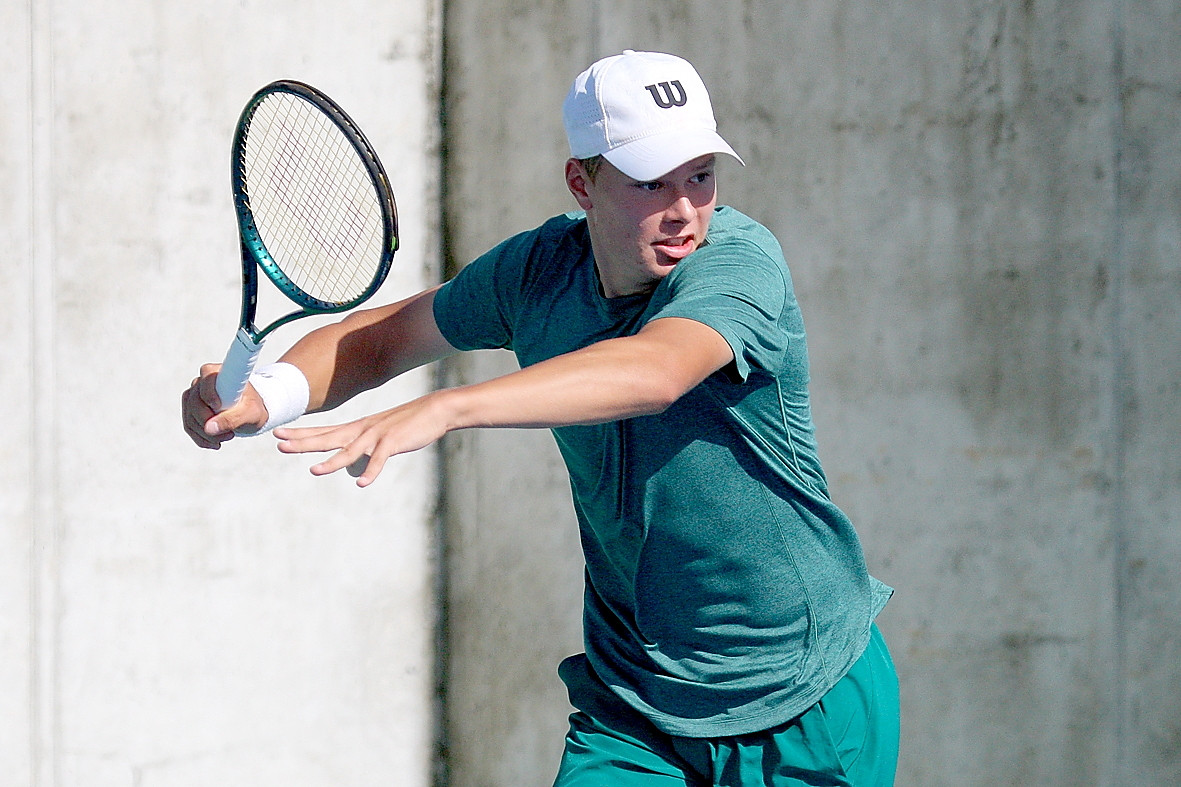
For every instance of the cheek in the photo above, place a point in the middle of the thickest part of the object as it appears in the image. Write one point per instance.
(633, 232)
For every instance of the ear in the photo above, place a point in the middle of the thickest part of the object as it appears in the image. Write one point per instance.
(578, 182)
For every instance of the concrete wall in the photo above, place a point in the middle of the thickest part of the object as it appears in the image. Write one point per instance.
(172, 617)
(979, 201)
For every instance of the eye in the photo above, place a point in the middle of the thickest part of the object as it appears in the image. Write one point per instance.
(701, 177)
(651, 185)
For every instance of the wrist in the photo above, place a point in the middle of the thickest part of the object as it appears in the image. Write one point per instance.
(284, 392)
(452, 408)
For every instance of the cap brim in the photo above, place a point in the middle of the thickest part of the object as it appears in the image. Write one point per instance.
(651, 157)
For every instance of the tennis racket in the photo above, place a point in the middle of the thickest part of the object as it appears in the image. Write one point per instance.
(315, 214)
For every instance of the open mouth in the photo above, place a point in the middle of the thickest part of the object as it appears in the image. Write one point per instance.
(676, 248)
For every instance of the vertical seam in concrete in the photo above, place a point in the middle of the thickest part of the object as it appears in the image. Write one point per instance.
(596, 29)
(448, 265)
(44, 710)
(1120, 404)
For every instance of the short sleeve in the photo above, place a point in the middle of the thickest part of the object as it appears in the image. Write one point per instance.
(477, 309)
(745, 294)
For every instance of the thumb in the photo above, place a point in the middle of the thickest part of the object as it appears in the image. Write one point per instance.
(247, 416)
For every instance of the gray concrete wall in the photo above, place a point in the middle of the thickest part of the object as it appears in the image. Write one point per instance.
(171, 617)
(979, 201)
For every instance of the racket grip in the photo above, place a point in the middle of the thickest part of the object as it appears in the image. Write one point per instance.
(236, 368)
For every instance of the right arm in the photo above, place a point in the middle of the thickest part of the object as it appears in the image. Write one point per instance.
(362, 351)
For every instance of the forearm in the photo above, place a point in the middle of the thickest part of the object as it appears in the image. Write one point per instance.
(366, 349)
(607, 381)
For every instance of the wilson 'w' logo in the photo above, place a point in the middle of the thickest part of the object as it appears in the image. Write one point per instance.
(664, 95)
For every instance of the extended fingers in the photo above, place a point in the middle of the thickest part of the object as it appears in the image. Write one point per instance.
(312, 439)
(362, 457)
(350, 451)
(363, 446)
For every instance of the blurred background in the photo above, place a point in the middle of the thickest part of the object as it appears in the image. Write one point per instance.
(980, 202)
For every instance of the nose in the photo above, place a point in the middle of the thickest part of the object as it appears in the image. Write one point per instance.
(681, 209)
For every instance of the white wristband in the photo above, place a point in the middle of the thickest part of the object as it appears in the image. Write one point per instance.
(284, 391)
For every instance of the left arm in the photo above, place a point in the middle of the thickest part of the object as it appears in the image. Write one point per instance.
(607, 381)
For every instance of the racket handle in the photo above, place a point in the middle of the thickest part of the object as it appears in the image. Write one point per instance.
(236, 368)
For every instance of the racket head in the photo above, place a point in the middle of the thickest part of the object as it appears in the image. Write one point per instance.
(315, 210)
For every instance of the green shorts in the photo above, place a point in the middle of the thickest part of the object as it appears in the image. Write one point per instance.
(848, 739)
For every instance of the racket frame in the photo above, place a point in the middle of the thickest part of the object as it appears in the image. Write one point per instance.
(247, 345)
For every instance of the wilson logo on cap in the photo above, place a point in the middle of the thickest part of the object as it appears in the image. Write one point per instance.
(663, 95)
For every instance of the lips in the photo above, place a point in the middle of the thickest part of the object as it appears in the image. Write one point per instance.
(676, 248)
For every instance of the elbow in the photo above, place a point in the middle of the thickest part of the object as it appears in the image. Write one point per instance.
(664, 392)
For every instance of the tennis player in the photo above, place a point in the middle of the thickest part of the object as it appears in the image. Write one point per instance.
(729, 615)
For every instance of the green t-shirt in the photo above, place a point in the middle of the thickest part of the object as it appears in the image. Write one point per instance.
(725, 592)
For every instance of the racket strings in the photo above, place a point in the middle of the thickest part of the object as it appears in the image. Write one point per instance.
(313, 199)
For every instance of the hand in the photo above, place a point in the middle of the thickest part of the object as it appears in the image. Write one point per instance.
(199, 405)
(364, 445)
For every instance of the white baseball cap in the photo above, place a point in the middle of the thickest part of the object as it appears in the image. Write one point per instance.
(645, 112)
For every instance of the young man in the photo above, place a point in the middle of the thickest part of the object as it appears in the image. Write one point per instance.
(729, 615)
